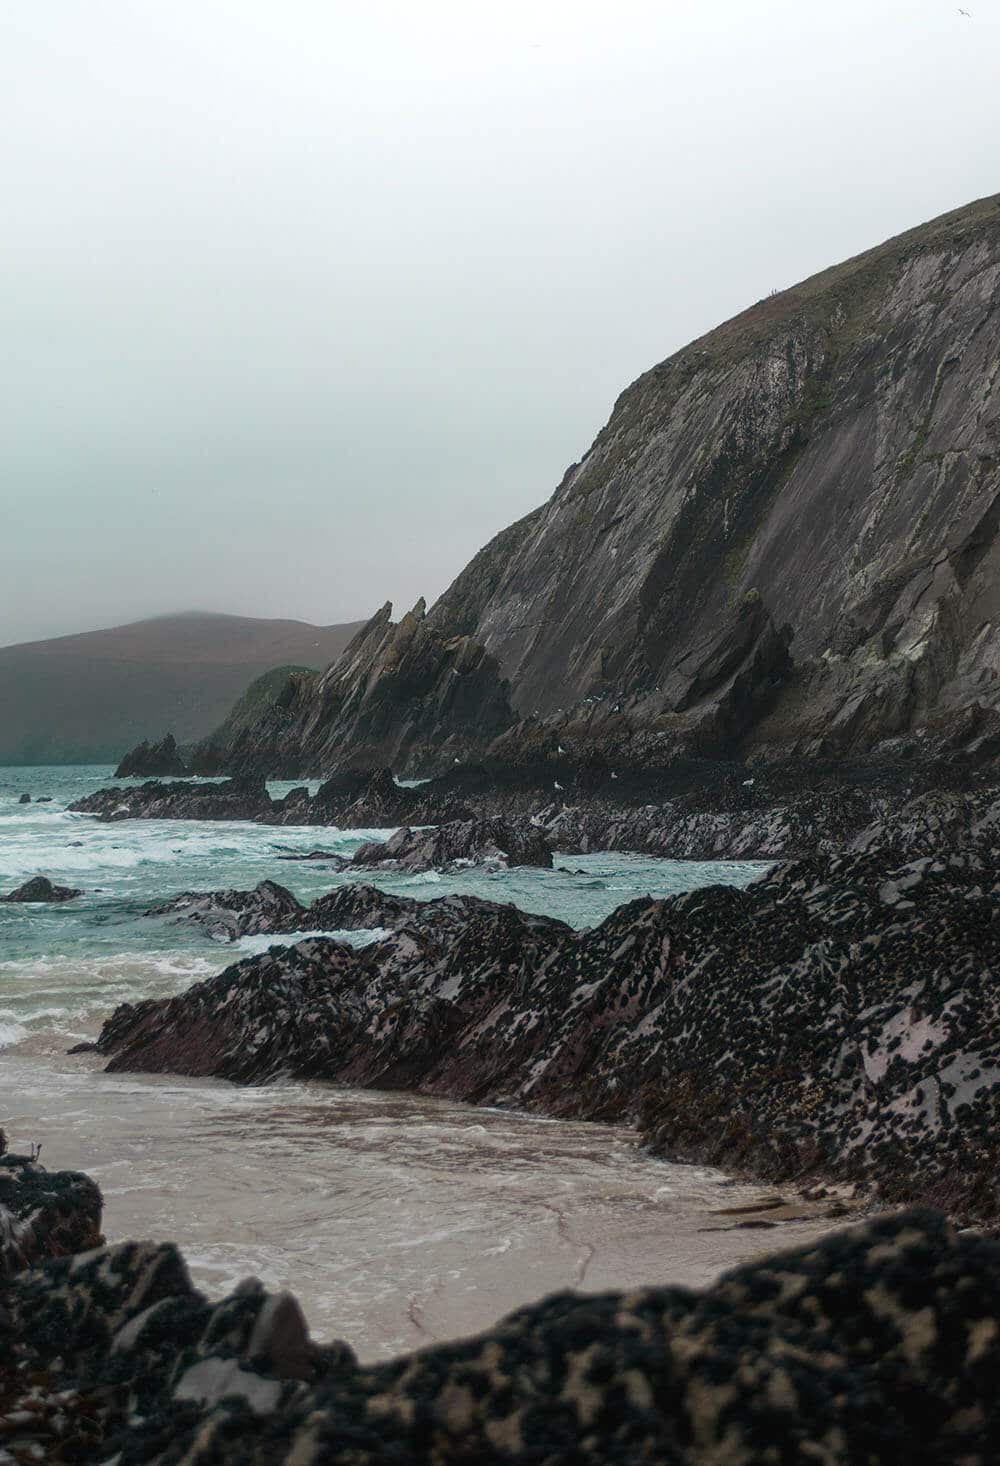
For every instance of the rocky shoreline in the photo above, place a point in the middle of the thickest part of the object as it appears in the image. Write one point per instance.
(837, 1018)
(694, 810)
(877, 1344)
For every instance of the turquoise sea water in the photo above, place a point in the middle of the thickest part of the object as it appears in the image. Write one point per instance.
(64, 967)
(396, 1218)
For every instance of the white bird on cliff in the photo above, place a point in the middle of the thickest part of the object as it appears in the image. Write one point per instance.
(557, 785)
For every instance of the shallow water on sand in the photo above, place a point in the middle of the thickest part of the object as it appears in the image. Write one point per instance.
(397, 1219)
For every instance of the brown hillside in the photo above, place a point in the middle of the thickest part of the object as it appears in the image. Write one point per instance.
(88, 698)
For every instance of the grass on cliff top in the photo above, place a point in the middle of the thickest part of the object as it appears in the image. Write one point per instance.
(847, 286)
(261, 693)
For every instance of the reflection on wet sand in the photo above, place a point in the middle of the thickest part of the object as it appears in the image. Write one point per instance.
(397, 1219)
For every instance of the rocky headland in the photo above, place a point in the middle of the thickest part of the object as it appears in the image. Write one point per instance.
(784, 543)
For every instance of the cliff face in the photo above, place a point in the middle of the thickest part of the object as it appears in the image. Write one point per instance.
(783, 541)
(836, 449)
(404, 694)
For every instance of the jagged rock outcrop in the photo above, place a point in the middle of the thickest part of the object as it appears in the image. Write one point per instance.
(40, 888)
(877, 1345)
(460, 842)
(696, 810)
(243, 798)
(839, 1016)
(44, 1214)
(817, 479)
(227, 915)
(153, 761)
(408, 694)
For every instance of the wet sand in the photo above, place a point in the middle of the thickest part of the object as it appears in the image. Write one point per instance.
(397, 1220)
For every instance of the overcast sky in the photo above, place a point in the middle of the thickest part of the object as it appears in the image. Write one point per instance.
(303, 301)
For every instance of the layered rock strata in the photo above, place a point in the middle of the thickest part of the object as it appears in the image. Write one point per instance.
(698, 811)
(153, 760)
(785, 541)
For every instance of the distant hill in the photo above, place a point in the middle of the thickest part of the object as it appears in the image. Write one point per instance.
(89, 698)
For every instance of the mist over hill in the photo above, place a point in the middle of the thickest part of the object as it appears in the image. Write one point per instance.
(88, 698)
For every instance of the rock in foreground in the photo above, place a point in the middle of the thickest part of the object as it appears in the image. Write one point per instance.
(878, 1345)
(44, 1213)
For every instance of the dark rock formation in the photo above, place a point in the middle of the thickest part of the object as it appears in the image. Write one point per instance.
(24, 799)
(40, 888)
(461, 842)
(825, 466)
(700, 809)
(327, 858)
(839, 1016)
(877, 1345)
(153, 761)
(405, 694)
(271, 908)
(227, 915)
(268, 696)
(44, 1214)
(244, 798)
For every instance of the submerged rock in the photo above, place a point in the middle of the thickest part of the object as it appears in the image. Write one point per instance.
(878, 1345)
(327, 857)
(40, 888)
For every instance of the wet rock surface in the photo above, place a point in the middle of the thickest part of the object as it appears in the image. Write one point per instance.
(839, 1017)
(231, 799)
(44, 1213)
(878, 1345)
(575, 802)
(496, 842)
(40, 888)
(227, 915)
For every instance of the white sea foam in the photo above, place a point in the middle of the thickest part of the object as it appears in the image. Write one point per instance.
(363, 937)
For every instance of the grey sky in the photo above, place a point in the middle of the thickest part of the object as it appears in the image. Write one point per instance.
(303, 301)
